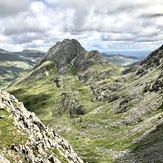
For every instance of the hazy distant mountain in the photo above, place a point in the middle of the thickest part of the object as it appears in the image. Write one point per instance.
(33, 55)
(121, 59)
(109, 113)
(142, 54)
(2, 51)
(15, 64)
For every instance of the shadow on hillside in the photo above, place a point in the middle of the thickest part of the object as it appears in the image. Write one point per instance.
(9, 57)
(11, 72)
(34, 102)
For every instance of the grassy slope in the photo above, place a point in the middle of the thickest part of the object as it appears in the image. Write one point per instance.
(12, 67)
(94, 133)
(6, 126)
(9, 135)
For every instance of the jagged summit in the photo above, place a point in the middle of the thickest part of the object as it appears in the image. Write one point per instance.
(68, 54)
(67, 48)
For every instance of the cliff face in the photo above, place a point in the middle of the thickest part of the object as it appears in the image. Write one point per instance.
(25, 138)
(152, 62)
(155, 59)
(69, 54)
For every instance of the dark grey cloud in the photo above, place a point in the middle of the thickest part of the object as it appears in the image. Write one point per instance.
(10, 7)
(152, 15)
(25, 38)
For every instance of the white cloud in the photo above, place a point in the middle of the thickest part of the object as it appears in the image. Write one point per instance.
(121, 24)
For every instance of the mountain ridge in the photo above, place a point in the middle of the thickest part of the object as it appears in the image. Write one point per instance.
(101, 108)
(68, 54)
(154, 59)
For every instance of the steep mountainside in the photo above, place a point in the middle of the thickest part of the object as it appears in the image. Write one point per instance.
(16, 64)
(24, 138)
(107, 112)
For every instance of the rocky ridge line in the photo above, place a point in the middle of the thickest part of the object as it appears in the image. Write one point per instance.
(41, 139)
(70, 54)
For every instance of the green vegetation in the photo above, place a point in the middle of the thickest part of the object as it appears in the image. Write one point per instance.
(12, 67)
(6, 127)
(58, 155)
(161, 107)
(15, 64)
(92, 126)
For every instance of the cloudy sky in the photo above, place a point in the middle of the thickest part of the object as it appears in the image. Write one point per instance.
(105, 25)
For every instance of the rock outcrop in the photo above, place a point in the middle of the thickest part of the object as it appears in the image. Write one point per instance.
(70, 55)
(41, 143)
(154, 60)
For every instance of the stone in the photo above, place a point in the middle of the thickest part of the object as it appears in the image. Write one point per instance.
(40, 138)
(3, 159)
(113, 97)
(15, 148)
(70, 56)
(158, 85)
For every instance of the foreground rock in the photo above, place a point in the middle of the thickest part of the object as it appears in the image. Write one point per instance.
(41, 144)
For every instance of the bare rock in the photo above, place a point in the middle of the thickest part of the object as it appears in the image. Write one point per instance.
(40, 138)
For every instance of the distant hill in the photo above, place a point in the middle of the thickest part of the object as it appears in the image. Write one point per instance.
(15, 64)
(33, 55)
(121, 59)
(2, 51)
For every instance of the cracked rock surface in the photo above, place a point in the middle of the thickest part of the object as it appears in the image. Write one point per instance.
(42, 143)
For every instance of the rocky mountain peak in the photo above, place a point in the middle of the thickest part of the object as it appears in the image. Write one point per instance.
(69, 53)
(67, 48)
(63, 52)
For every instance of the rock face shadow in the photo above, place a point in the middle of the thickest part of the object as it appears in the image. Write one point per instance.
(148, 149)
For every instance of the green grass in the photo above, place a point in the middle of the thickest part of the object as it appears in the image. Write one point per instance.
(58, 155)
(12, 69)
(89, 134)
(44, 98)
(9, 133)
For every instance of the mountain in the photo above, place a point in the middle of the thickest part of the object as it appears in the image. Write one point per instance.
(108, 113)
(15, 64)
(33, 55)
(24, 138)
(121, 59)
(2, 51)
(69, 54)
(155, 59)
